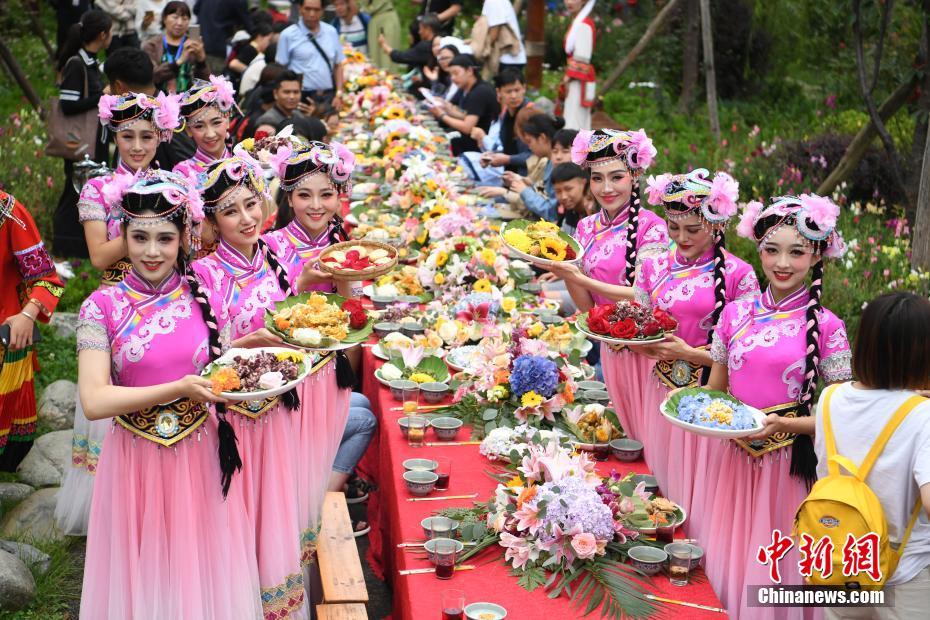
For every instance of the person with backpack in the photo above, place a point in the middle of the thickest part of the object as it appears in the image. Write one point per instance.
(351, 24)
(771, 353)
(882, 427)
(81, 86)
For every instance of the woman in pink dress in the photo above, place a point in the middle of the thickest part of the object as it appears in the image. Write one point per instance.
(314, 177)
(240, 281)
(770, 352)
(205, 108)
(692, 282)
(140, 123)
(162, 541)
(616, 241)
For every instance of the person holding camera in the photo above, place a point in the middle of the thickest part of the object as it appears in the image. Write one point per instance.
(177, 57)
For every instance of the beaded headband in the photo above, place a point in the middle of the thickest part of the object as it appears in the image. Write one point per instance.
(122, 112)
(223, 177)
(683, 194)
(602, 146)
(217, 93)
(295, 167)
(813, 217)
(176, 189)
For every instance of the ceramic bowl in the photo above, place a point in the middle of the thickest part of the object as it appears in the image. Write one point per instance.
(411, 329)
(409, 299)
(402, 422)
(597, 396)
(531, 287)
(650, 560)
(382, 301)
(445, 428)
(433, 392)
(551, 319)
(383, 329)
(399, 385)
(420, 465)
(585, 386)
(430, 546)
(697, 553)
(428, 522)
(479, 611)
(626, 449)
(652, 484)
(420, 482)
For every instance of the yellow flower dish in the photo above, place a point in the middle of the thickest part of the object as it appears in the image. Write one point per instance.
(553, 249)
(422, 377)
(518, 239)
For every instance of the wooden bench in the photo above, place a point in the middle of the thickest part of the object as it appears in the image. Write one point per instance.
(345, 611)
(340, 568)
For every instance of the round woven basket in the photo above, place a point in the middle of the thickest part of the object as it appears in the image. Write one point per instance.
(365, 274)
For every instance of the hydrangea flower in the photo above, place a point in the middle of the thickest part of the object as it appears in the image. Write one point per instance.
(534, 373)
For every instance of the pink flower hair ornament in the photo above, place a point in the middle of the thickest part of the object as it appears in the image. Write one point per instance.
(748, 219)
(634, 148)
(222, 92)
(813, 217)
(655, 188)
(581, 146)
(116, 187)
(168, 115)
(720, 204)
(105, 108)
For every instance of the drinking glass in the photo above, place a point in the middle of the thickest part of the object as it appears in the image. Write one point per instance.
(445, 558)
(679, 564)
(453, 605)
(440, 527)
(444, 471)
(411, 399)
(416, 430)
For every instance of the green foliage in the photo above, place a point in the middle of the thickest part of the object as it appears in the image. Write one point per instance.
(530, 578)
(57, 359)
(59, 589)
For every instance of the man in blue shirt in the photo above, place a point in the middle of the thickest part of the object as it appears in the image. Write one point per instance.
(312, 48)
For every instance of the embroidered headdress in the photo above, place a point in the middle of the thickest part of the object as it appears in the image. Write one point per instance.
(814, 217)
(683, 194)
(122, 112)
(219, 182)
(294, 167)
(218, 93)
(601, 146)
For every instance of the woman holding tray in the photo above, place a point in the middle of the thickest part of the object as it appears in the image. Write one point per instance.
(770, 352)
(313, 178)
(240, 281)
(163, 541)
(692, 282)
(616, 240)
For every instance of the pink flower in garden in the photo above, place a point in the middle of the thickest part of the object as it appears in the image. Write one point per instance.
(830, 102)
(585, 545)
(49, 182)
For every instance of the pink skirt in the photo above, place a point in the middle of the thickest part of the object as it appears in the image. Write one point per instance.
(625, 374)
(670, 452)
(269, 488)
(751, 498)
(324, 408)
(162, 542)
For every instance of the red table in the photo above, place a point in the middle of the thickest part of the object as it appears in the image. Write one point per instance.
(395, 520)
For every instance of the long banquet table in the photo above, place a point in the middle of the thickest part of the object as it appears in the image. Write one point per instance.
(394, 520)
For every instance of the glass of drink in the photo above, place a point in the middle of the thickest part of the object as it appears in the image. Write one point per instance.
(444, 471)
(440, 527)
(453, 605)
(416, 430)
(601, 451)
(411, 398)
(665, 532)
(679, 563)
(444, 553)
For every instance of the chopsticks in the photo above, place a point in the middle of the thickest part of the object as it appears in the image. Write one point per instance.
(422, 408)
(424, 571)
(672, 601)
(407, 545)
(437, 499)
(452, 443)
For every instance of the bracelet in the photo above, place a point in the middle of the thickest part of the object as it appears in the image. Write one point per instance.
(39, 305)
(27, 315)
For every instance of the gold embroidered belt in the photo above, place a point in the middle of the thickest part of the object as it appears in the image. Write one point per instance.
(773, 442)
(166, 424)
(115, 273)
(678, 373)
(253, 408)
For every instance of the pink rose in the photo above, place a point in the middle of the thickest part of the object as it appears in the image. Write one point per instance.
(585, 545)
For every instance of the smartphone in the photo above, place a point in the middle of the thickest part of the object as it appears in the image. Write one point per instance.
(194, 33)
(5, 335)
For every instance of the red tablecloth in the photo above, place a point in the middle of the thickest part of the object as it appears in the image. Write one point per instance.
(395, 520)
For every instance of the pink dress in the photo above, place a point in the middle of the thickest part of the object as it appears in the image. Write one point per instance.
(239, 291)
(604, 243)
(162, 541)
(197, 164)
(324, 407)
(686, 291)
(92, 207)
(744, 497)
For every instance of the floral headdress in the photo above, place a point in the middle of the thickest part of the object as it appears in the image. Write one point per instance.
(223, 177)
(683, 194)
(218, 93)
(814, 217)
(601, 146)
(122, 112)
(295, 167)
(180, 193)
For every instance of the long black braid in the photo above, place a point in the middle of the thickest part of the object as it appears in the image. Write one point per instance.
(720, 290)
(632, 234)
(290, 398)
(800, 466)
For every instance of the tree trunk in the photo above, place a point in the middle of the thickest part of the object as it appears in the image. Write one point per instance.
(920, 256)
(710, 77)
(535, 41)
(32, 10)
(6, 56)
(691, 55)
(860, 143)
(651, 32)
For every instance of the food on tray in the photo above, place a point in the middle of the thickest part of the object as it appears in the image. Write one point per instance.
(254, 371)
(628, 320)
(395, 342)
(357, 258)
(316, 319)
(429, 369)
(591, 423)
(703, 409)
(540, 239)
(403, 281)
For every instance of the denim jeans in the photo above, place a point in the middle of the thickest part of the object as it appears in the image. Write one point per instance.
(360, 428)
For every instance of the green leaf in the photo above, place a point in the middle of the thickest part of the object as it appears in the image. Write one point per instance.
(530, 577)
(489, 414)
(490, 426)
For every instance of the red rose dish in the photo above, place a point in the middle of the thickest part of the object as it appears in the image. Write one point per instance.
(626, 322)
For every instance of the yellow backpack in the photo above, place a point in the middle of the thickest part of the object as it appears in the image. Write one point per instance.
(839, 505)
